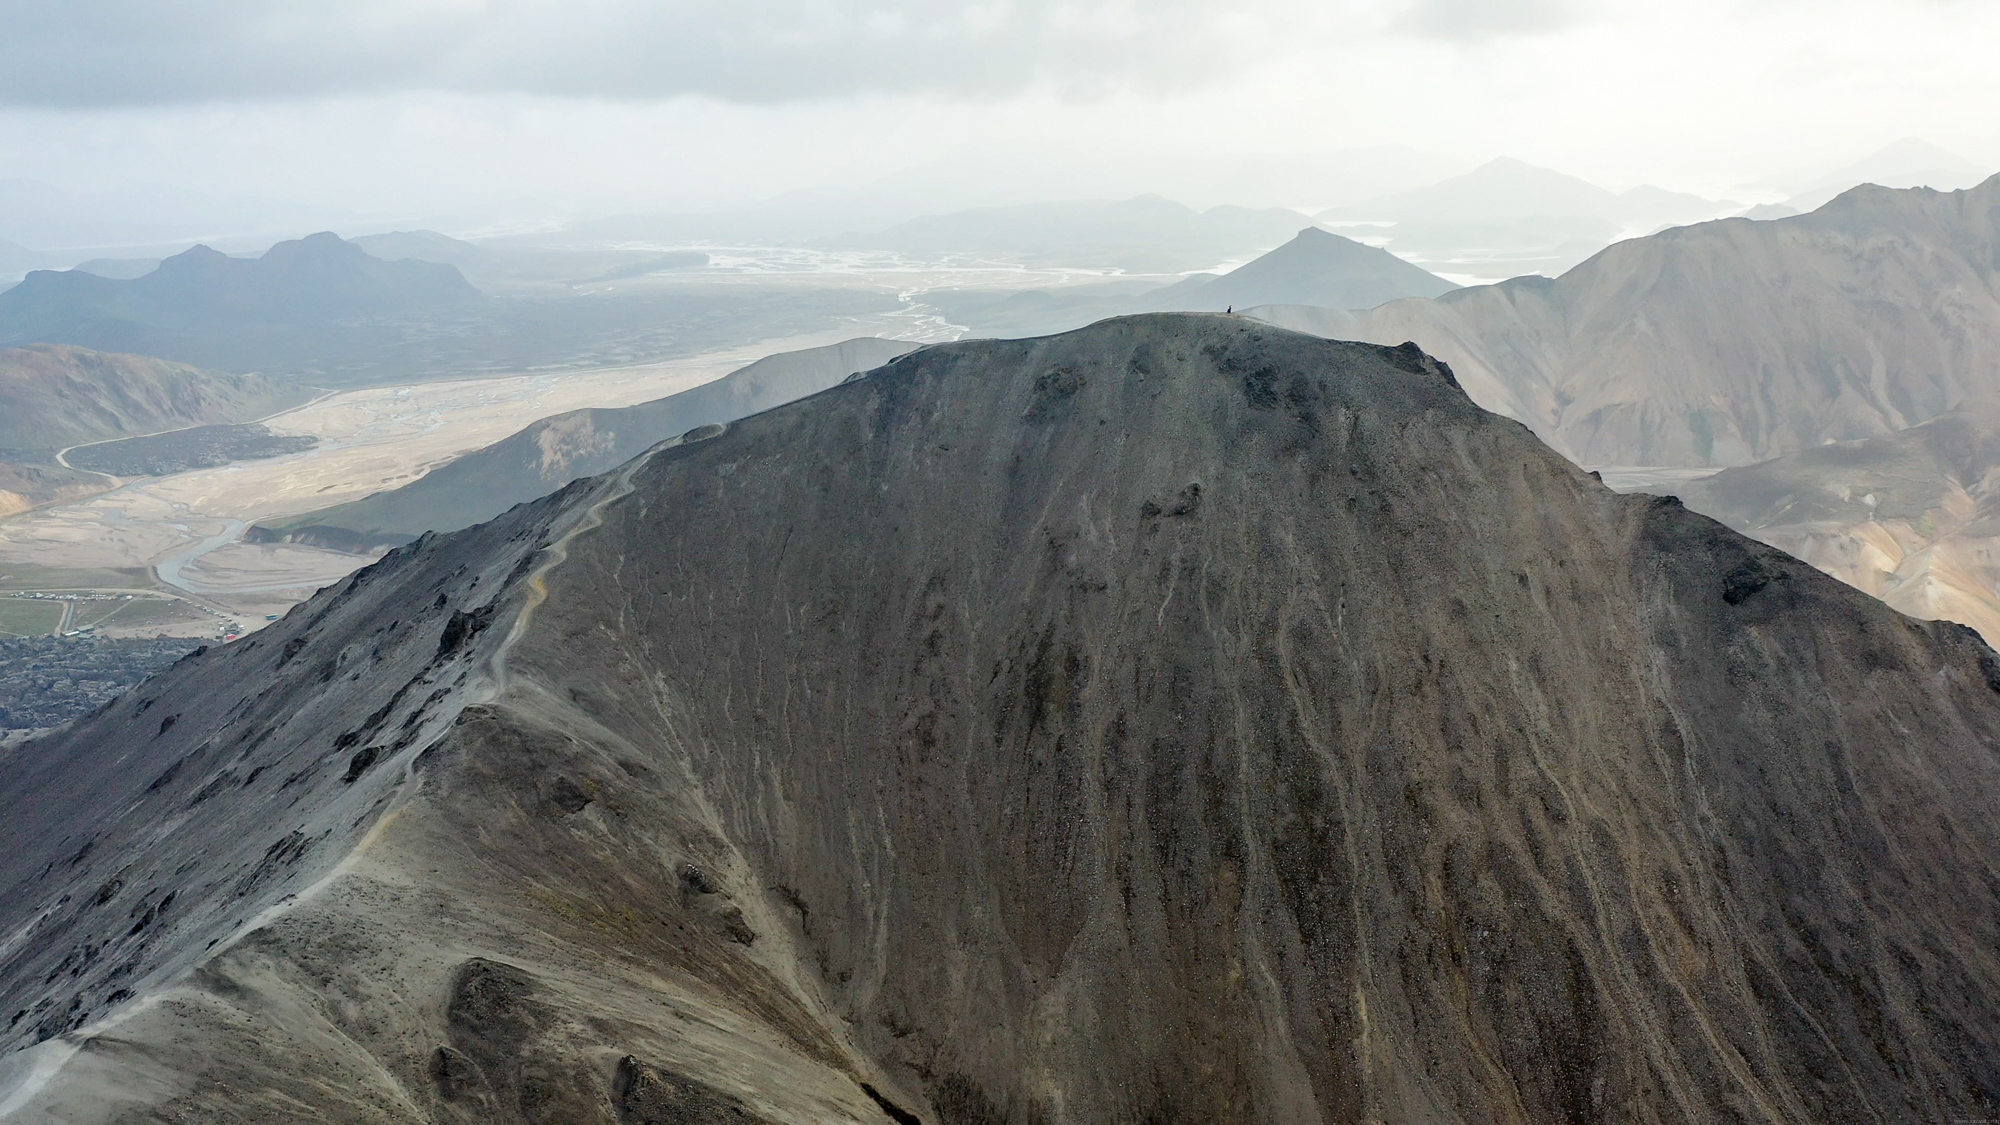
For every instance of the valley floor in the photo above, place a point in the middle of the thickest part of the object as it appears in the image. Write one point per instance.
(184, 531)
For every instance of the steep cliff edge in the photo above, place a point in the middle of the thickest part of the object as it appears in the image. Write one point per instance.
(1176, 720)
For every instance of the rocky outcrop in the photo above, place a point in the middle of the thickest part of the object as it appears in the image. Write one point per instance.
(1179, 720)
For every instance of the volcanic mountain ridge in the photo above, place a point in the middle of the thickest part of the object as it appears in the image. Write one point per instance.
(1178, 720)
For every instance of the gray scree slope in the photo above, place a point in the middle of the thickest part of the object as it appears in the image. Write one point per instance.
(1178, 720)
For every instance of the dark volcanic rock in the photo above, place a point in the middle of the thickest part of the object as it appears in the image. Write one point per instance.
(1180, 720)
(177, 451)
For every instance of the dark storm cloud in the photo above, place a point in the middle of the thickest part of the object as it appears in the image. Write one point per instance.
(136, 52)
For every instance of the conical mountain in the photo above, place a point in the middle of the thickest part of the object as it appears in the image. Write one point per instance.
(1178, 720)
(1316, 267)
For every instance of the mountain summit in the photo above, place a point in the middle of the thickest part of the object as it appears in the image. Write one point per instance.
(1177, 720)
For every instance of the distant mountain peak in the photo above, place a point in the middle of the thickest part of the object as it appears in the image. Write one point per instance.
(1142, 234)
(1916, 148)
(1906, 163)
(1507, 188)
(1316, 267)
(199, 300)
(200, 252)
(1516, 166)
(324, 246)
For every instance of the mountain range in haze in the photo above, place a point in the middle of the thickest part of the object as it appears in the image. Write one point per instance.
(325, 310)
(984, 177)
(1732, 341)
(1507, 218)
(1314, 265)
(205, 307)
(1180, 720)
(1910, 162)
(1513, 189)
(1145, 234)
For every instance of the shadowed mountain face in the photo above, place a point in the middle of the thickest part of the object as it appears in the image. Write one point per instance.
(326, 310)
(559, 449)
(200, 305)
(1912, 517)
(1179, 720)
(1734, 341)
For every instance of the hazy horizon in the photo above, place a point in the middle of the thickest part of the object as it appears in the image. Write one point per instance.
(460, 115)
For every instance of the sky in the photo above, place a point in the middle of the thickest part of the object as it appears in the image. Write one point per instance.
(524, 111)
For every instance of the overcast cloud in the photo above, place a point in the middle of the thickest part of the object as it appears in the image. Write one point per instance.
(1477, 20)
(125, 52)
(506, 107)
